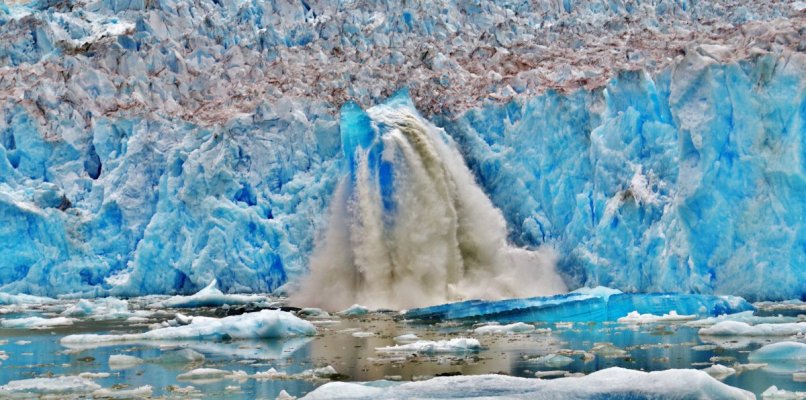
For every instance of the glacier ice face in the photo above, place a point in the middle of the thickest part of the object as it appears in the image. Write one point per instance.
(152, 146)
(691, 180)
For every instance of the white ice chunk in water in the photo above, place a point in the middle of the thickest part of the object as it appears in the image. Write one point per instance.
(457, 345)
(736, 328)
(210, 296)
(517, 327)
(52, 387)
(635, 317)
(122, 361)
(36, 322)
(257, 325)
(613, 382)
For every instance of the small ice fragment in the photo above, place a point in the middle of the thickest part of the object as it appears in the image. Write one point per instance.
(204, 374)
(141, 392)
(122, 361)
(736, 328)
(406, 338)
(36, 322)
(283, 395)
(552, 360)
(719, 371)
(458, 345)
(635, 317)
(517, 327)
(182, 356)
(354, 311)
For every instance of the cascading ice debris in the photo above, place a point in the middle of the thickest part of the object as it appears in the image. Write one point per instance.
(409, 226)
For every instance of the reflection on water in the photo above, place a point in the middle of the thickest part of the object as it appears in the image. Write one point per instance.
(584, 348)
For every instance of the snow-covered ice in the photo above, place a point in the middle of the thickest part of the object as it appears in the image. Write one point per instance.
(456, 345)
(67, 386)
(517, 327)
(210, 296)
(738, 328)
(635, 317)
(609, 383)
(258, 325)
(36, 322)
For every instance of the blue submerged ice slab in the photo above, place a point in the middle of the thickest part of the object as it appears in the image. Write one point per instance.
(580, 307)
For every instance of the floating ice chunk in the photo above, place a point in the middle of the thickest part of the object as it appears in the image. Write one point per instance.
(8, 299)
(552, 361)
(315, 373)
(406, 338)
(136, 393)
(36, 322)
(363, 334)
(312, 312)
(283, 395)
(270, 374)
(105, 308)
(719, 371)
(609, 383)
(49, 387)
(94, 375)
(551, 374)
(601, 305)
(210, 296)
(773, 393)
(122, 361)
(182, 356)
(204, 374)
(736, 328)
(598, 291)
(257, 325)
(784, 357)
(354, 310)
(637, 318)
(608, 350)
(746, 316)
(517, 327)
(457, 345)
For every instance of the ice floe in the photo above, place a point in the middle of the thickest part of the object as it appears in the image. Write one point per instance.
(456, 345)
(261, 324)
(613, 383)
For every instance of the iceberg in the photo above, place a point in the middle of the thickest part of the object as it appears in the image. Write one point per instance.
(581, 307)
(782, 357)
(611, 383)
(265, 324)
(738, 328)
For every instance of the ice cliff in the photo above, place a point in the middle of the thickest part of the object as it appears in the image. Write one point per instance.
(150, 146)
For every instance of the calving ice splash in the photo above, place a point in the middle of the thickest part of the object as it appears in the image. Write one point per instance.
(410, 227)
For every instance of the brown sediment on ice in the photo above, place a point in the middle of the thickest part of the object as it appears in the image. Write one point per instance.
(187, 64)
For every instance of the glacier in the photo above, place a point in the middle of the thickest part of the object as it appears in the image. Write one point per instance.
(150, 147)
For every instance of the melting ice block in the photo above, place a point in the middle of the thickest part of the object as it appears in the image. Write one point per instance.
(583, 306)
